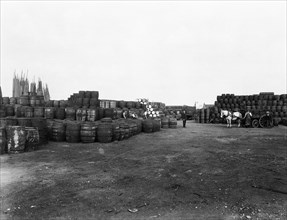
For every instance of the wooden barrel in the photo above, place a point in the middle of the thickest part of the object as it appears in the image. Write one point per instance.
(156, 124)
(32, 139)
(2, 111)
(102, 104)
(101, 113)
(116, 131)
(63, 103)
(13, 101)
(165, 122)
(56, 103)
(105, 132)
(16, 138)
(29, 112)
(107, 104)
(139, 125)
(207, 114)
(172, 123)
(95, 94)
(49, 112)
(73, 131)
(24, 100)
(25, 122)
(86, 102)
(41, 125)
(39, 112)
(50, 123)
(148, 125)
(106, 120)
(60, 113)
(88, 132)
(49, 103)
(8, 121)
(118, 113)
(110, 113)
(87, 94)
(3, 141)
(32, 101)
(132, 126)
(81, 114)
(124, 130)
(58, 131)
(122, 104)
(113, 104)
(70, 113)
(92, 114)
(94, 102)
(5, 100)
(130, 104)
(19, 110)
(81, 94)
(10, 111)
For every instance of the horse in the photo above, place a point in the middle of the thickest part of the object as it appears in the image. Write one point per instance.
(231, 116)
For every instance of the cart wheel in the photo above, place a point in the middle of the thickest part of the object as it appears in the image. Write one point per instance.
(265, 122)
(255, 123)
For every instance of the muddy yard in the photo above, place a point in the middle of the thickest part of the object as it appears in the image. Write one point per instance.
(205, 171)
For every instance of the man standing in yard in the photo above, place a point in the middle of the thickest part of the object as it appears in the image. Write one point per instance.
(247, 118)
(183, 116)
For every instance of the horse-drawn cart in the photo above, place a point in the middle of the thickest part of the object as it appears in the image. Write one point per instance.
(263, 121)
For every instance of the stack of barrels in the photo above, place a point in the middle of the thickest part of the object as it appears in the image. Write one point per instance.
(203, 115)
(88, 132)
(84, 99)
(17, 139)
(104, 131)
(167, 122)
(258, 104)
(151, 125)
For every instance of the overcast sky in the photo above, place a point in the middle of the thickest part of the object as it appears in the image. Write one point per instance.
(174, 52)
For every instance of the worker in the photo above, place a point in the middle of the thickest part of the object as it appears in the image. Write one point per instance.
(183, 116)
(269, 120)
(247, 118)
(125, 114)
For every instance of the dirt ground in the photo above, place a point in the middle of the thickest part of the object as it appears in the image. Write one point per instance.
(204, 171)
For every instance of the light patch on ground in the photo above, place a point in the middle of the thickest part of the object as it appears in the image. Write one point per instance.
(101, 151)
(226, 140)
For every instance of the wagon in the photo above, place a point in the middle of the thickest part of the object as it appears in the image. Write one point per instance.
(262, 121)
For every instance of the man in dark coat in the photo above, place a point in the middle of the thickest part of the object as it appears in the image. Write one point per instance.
(248, 118)
(183, 116)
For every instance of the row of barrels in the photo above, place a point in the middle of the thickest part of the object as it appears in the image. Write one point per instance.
(263, 101)
(24, 100)
(275, 110)
(237, 103)
(79, 114)
(155, 124)
(56, 103)
(104, 131)
(91, 102)
(30, 112)
(261, 96)
(18, 139)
